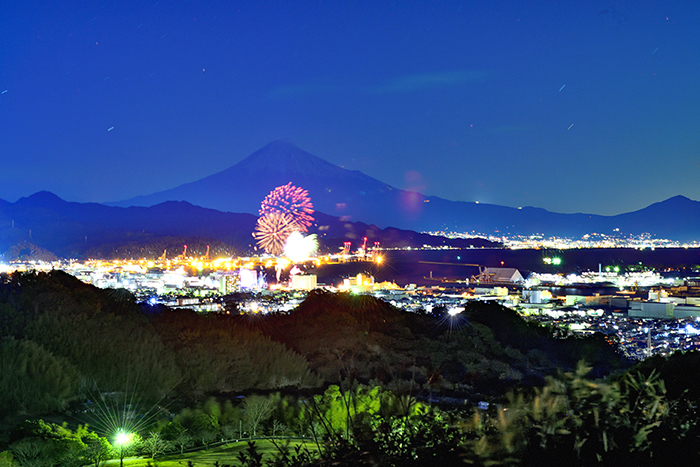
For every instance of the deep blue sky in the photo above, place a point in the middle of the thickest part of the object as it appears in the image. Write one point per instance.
(466, 100)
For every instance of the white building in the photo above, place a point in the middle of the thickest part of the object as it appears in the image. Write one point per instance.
(304, 281)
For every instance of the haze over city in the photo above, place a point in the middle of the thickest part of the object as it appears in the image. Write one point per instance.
(568, 107)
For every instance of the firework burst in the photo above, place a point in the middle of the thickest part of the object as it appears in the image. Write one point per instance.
(272, 231)
(298, 248)
(292, 201)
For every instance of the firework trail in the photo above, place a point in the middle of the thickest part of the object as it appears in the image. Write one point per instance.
(292, 201)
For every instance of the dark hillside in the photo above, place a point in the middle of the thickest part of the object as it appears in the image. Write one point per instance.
(679, 372)
(69, 340)
(224, 354)
(508, 327)
(66, 327)
(485, 349)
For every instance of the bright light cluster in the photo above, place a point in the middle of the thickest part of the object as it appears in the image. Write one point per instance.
(122, 438)
(298, 247)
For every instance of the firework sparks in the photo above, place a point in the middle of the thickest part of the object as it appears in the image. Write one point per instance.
(292, 201)
(272, 231)
(298, 248)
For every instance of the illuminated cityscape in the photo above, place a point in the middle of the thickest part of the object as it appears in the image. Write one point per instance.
(642, 313)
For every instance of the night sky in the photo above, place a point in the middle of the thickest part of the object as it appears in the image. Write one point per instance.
(570, 106)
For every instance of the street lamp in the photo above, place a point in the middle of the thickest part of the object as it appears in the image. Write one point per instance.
(122, 441)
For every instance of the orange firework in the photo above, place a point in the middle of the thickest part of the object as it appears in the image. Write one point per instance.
(272, 231)
(292, 201)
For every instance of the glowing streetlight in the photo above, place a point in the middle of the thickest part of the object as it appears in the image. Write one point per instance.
(122, 440)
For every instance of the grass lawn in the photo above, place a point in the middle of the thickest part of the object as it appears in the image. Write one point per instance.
(225, 455)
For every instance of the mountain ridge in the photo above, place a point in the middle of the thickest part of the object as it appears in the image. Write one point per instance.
(241, 188)
(354, 196)
(71, 229)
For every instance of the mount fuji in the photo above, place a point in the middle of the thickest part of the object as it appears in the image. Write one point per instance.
(354, 196)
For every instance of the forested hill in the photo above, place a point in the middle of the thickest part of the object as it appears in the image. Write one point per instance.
(69, 351)
(63, 341)
(485, 349)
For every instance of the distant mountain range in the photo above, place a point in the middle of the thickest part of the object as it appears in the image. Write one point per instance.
(43, 225)
(221, 211)
(358, 197)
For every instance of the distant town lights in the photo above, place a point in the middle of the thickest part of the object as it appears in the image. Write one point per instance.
(554, 261)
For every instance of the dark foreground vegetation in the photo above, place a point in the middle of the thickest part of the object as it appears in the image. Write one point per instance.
(361, 381)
